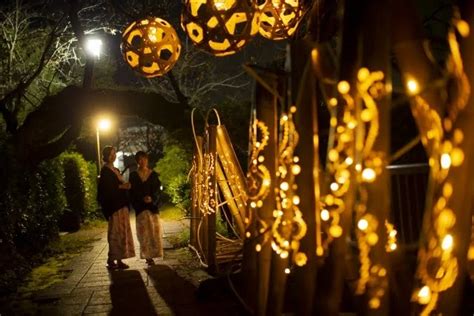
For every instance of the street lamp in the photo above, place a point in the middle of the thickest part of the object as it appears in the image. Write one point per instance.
(103, 124)
(93, 47)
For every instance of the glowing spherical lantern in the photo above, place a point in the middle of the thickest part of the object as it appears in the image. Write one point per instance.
(221, 27)
(151, 46)
(279, 19)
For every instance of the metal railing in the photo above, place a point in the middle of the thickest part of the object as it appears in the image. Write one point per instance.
(409, 183)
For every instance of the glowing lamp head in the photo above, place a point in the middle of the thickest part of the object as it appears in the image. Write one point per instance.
(94, 47)
(363, 224)
(104, 124)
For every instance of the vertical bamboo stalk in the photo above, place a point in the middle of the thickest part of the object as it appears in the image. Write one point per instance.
(278, 276)
(376, 57)
(195, 212)
(211, 223)
(308, 179)
(267, 113)
(461, 200)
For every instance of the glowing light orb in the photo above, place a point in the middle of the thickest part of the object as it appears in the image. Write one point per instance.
(150, 46)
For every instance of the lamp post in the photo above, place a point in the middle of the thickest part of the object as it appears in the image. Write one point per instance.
(93, 48)
(103, 124)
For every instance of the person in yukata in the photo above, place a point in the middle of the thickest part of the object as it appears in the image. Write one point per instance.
(112, 197)
(145, 198)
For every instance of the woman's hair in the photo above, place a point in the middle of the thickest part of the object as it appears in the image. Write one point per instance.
(140, 154)
(106, 153)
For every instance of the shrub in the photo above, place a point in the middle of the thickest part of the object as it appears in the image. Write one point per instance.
(80, 185)
(173, 171)
(31, 202)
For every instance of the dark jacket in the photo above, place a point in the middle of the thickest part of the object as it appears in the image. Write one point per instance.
(110, 197)
(140, 189)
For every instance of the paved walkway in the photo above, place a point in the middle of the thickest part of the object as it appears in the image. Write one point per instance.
(168, 288)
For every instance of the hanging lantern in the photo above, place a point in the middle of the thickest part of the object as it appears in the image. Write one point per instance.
(221, 27)
(150, 46)
(279, 19)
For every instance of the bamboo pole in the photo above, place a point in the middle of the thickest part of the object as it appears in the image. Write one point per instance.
(308, 180)
(195, 212)
(461, 200)
(376, 57)
(267, 113)
(211, 218)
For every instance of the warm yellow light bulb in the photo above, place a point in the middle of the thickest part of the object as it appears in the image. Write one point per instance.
(363, 224)
(284, 186)
(296, 169)
(447, 243)
(393, 246)
(325, 215)
(445, 161)
(258, 247)
(368, 174)
(334, 186)
(424, 295)
(412, 86)
(104, 124)
(343, 87)
(287, 271)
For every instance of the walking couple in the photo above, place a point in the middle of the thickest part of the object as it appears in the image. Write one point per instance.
(143, 189)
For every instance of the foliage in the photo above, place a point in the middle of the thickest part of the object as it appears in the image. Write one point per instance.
(171, 213)
(173, 171)
(80, 185)
(31, 202)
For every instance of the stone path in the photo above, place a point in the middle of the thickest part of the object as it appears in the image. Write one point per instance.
(168, 288)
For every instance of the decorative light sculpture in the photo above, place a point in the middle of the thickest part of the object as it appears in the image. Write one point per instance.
(288, 226)
(151, 46)
(279, 19)
(258, 177)
(221, 27)
(438, 266)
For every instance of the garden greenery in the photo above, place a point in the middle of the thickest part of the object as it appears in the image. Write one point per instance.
(173, 171)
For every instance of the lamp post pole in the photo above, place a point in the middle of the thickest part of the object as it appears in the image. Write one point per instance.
(98, 152)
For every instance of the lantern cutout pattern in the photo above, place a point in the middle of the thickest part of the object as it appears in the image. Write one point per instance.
(151, 46)
(221, 27)
(279, 19)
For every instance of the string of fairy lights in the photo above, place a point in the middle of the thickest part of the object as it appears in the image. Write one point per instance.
(438, 266)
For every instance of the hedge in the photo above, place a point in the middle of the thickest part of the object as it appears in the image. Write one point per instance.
(80, 185)
(173, 171)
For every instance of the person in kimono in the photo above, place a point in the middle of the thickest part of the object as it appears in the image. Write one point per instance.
(113, 199)
(145, 194)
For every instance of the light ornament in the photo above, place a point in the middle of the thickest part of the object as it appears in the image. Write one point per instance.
(438, 266)
(288, 226)
(258, 177)
(391, 245)
(279, 19)
(220, 27)
(150, 47)
(363, 116)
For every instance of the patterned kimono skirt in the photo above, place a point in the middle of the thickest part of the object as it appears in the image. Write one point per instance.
(149, 234)
(120, 236)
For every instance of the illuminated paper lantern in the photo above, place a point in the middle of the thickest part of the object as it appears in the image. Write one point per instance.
(221, 27)
(279, 19)
(151, 46)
